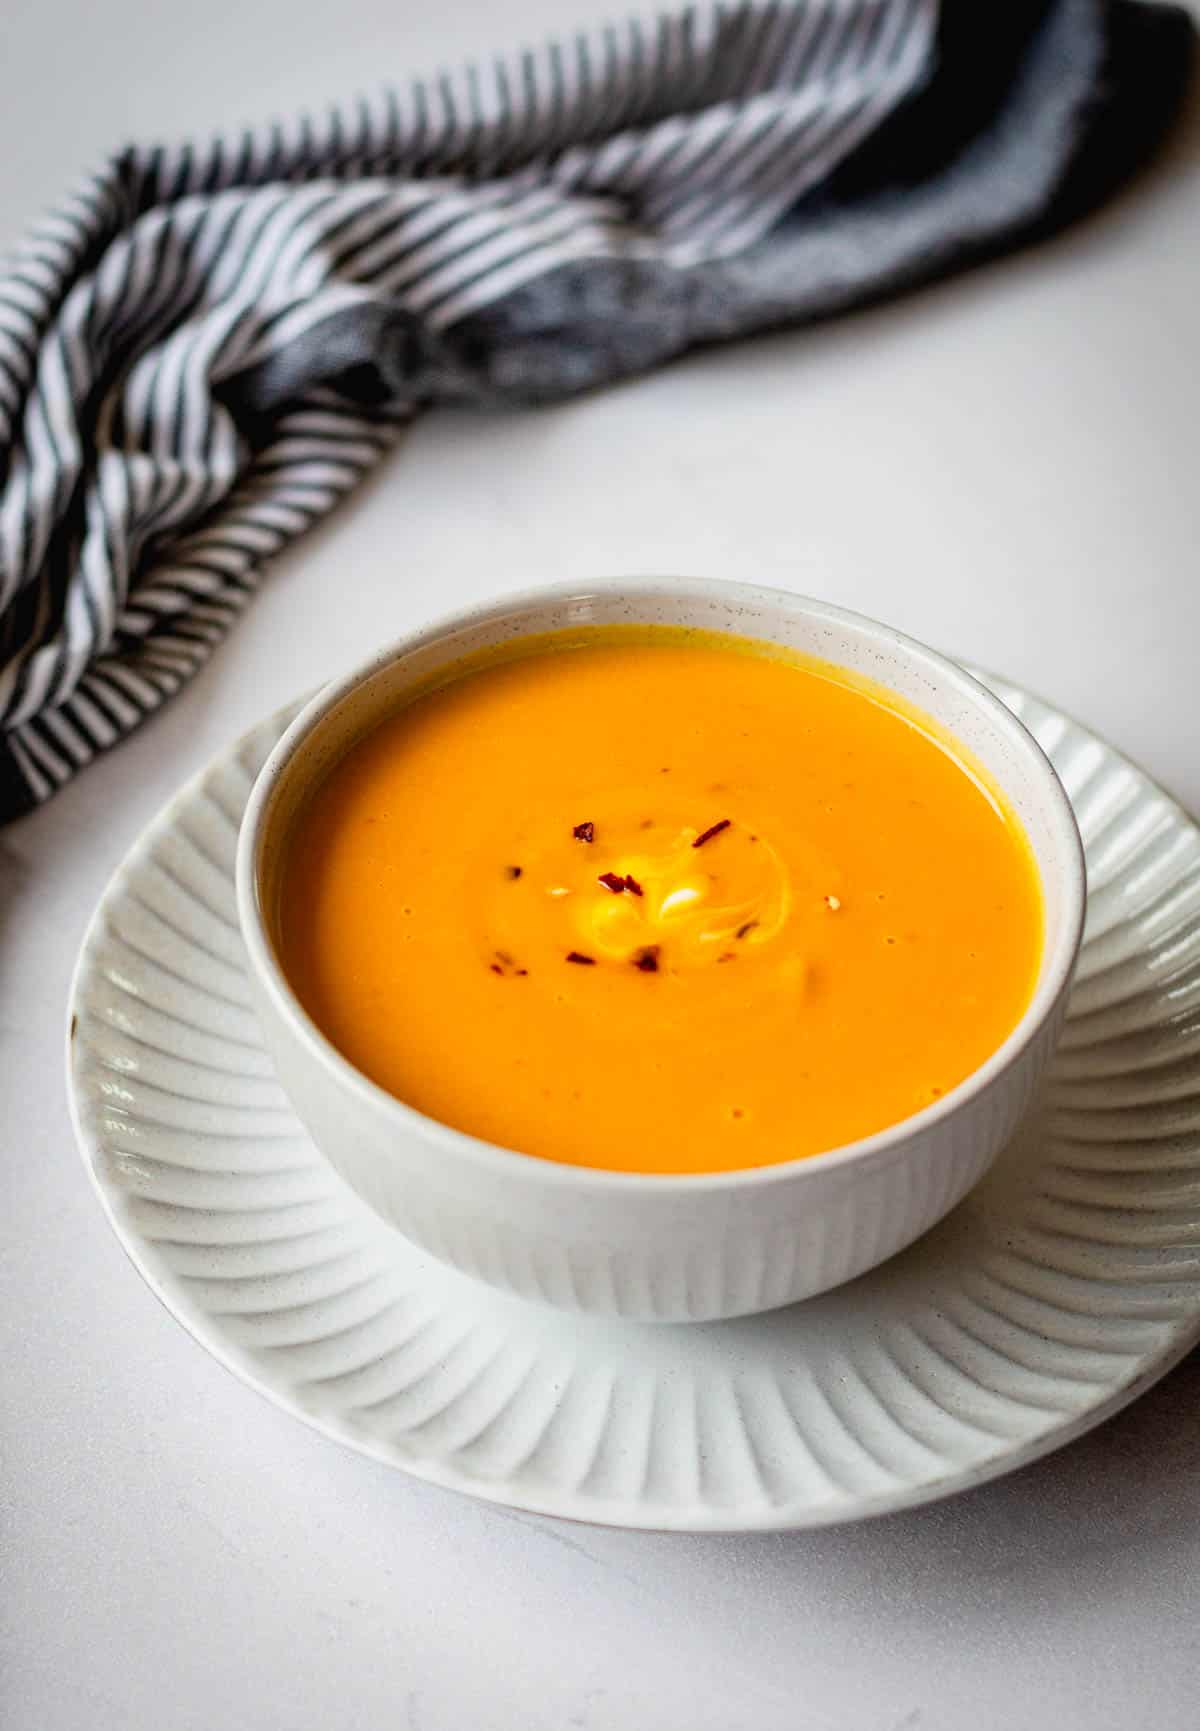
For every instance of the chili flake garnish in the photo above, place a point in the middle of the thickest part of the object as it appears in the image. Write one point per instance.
(712, 830)
(744, 931)
(728, 956)
(612, 882)
(512, 871)
(496, 968)
(632, 885)
(584, 961)
(584, 832)
(647, 959)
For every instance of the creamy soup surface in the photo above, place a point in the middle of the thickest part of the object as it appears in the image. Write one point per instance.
(662, 901)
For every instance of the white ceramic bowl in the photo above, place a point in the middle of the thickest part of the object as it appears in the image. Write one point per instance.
(668, 1248)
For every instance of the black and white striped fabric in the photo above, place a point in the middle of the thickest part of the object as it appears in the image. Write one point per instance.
(205, 347)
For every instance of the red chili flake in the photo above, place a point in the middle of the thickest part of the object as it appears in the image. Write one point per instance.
(744, 931)
(584, 832)
(496, 968)
(632, 885)
(727, 957)
(503, 956)
(584, 961)
(522, 972)
(512, 871)
(712, 830)
(647, 959)
(612, 882)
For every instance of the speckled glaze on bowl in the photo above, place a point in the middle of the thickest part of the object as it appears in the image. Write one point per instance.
(647, 1246)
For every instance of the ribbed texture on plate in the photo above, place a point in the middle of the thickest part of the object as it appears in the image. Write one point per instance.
(1068, 1278)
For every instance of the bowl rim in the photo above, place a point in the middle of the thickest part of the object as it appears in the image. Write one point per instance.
(1055, 972)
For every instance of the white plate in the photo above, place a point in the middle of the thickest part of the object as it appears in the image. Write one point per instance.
(1065, 1284)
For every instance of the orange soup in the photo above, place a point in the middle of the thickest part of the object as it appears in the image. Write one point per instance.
(660, 900)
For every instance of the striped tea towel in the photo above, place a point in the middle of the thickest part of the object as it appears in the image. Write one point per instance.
(207, 345)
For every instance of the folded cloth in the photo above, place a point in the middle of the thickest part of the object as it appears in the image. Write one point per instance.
(206, 346)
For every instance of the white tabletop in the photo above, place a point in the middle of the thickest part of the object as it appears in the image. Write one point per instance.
(177, 1555)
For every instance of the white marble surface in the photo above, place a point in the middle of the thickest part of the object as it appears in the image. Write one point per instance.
(177, 1554)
